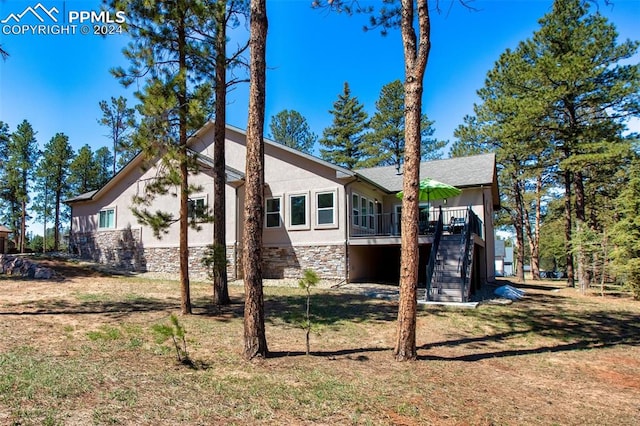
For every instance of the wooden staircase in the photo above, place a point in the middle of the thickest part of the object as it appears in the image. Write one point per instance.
(451, 267)
(446, 284)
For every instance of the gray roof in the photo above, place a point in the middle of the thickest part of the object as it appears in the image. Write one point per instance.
(82, 197)
(476, 170)
(232, 175)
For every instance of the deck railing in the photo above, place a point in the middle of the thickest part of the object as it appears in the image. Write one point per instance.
(433, 255)
(388, 224)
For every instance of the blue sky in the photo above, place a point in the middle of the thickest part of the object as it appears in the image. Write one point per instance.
(56, 81)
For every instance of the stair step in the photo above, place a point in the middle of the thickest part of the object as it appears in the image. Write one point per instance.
(450, 265)
(446, 296)
(449, 287)
(447, 282)
(448, 276)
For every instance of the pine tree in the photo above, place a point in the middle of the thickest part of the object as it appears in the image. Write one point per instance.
(412, 18)
(500, 127)
(470, 139)
(103, 160)
(22, 155)
(626, 232)
(8, 203)
(52, 183)
(224, 14)
(343, 141)
(588, 94)
(554, 111)
(291, 129)
(255, 340)
(120, 121)
(385, 143)
(167, 49)
(83, 172)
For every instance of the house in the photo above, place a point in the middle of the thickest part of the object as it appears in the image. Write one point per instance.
(4, 239)
(504, 259)
(499, 257)
(342, 223)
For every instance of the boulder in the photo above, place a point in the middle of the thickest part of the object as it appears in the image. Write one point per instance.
(24, 267)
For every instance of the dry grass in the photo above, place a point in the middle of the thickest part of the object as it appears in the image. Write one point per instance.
(83, 351)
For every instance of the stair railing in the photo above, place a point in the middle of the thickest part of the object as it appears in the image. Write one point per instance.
(432, 264)
(465, 259)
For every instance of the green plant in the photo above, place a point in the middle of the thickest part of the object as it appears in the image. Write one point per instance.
(177, 333)
(309, 279)
(106, 333)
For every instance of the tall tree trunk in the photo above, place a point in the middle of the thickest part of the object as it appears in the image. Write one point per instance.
(581, 226)
(534, 234)
(605, 260)
(15, 217)
(23, 227)
(520, 226)
(185, 289)
(255, 341)
(568, 225)
(416, 55)
(56, 222)
(220, 288)
(44, 216)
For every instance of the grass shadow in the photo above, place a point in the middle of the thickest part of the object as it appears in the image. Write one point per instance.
(550, 317)
(346, 353)
(330, 308)
(117, 308)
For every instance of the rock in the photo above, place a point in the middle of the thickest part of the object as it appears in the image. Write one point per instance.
(24, 267)
(43, 273)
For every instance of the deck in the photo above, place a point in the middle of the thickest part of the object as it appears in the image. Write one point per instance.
(384, 228)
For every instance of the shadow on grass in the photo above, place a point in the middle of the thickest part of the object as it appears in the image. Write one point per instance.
(569, 323)
(330, 309)
(116, 309)
(556, 323)
(204, 306)
(346, 353)
(326, 309)
(547, 318)
(543, 287)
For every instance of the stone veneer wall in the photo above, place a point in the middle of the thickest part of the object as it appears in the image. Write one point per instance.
(122, 249)
(329, 261)
(166, 259)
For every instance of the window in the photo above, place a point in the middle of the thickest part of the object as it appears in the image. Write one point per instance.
(197, 207)
(363, 212)
(355, 209)
(107, 219)
(326, 208)
(372, 217)
(272, 212)
(298, 212)
(423, 213)
(397, 218)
